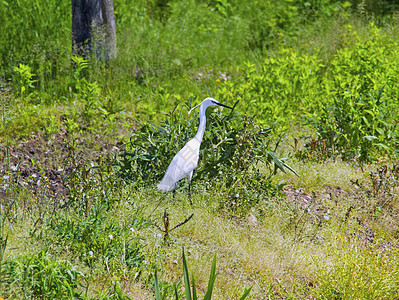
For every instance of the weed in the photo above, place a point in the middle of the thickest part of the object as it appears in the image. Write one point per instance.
(23, 79)
(191, 291)
(355, 127)
(96, 240)
(166, 223)
(42, 277)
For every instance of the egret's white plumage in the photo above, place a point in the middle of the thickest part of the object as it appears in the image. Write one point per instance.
(186, 160)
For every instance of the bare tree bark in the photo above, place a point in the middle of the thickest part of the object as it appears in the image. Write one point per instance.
(107, 8)
(93, 28)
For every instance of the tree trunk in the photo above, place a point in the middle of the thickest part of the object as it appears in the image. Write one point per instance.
(93, 28)
(107, 9)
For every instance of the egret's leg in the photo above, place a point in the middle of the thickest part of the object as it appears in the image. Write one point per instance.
(189, 192)
(189, 186)
(174, 193)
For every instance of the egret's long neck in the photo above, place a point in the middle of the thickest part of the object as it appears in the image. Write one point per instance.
(202, 124)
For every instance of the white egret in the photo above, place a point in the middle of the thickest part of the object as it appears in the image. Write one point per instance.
(186, 160)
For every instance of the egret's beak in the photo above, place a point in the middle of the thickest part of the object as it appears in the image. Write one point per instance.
(221, 104)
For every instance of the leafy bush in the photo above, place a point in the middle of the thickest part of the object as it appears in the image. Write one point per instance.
(286, 84)
(356, 126)
(367, 65)
(231, 141)
(233, 147)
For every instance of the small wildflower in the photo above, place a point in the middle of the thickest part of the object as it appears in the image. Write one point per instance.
(132, 229)
(237, 195)
(34, 175)
(6, 186)
(158, 235)
(91, 253)
(217, 80)
(111, 236)
(220, 172)
(14, 168)
(5, 177)
(175, 262)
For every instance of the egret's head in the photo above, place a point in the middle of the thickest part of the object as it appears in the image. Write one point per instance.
(208, 102)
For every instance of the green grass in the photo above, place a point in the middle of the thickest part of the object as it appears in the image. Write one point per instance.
(311, 69)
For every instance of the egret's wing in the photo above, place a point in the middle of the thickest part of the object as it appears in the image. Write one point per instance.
(184, 162)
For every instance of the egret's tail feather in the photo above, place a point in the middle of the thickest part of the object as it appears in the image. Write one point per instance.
(166, 186)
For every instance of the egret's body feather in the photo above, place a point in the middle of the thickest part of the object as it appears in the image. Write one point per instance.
(186, 160)
(180, 166)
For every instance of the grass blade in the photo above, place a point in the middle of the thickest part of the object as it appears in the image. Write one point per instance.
(176, 294)
(157, 291)
(186, 278)
(209, 92)
(212, 278)
(195, 297)
(246, 293)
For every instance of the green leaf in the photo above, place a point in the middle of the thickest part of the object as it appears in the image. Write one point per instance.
(370, 137)
(212, 278)
(280, 164)
(195, 297)
(382, 146)
(246, 293)
(157, 291)
(176, 294)
(366, 121)
(186, 278)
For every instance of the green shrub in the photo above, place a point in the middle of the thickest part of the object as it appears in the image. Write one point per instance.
(356, 126)
(287, 84)
(23, 79)
(369, 64)
(232, 150)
